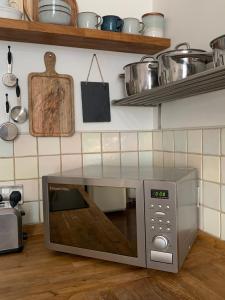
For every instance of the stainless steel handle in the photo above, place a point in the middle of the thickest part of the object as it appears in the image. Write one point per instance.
(187, 45)
(147, 56)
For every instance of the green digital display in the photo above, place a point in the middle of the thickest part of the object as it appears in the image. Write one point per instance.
(160, 194)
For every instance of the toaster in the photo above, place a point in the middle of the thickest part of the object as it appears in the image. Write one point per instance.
(11, 213)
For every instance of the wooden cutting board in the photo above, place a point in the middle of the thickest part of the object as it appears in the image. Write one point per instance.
(51, 101)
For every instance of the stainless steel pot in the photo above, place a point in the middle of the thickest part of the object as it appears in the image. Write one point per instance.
(182, 62)
(218, 46)
(141, 76)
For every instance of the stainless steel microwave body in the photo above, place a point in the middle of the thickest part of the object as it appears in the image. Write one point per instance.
(139, 216)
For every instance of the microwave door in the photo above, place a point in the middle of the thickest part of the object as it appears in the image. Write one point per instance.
(84, 217)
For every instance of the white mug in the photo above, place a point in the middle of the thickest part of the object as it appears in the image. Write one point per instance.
(133, 26)
(89, 20)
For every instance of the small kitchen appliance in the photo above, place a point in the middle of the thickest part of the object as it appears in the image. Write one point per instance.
(139, 216)
(11, 235)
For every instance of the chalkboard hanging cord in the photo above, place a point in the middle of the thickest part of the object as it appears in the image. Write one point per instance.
(95, 56)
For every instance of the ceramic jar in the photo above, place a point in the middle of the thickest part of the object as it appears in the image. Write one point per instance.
(154, 24)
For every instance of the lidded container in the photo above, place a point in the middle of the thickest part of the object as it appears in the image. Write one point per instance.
(154, 24)
(218, 47)
(182, 62)
(141, 76)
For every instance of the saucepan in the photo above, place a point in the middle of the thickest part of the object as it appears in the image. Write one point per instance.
(182, 62)
(140, 76)
(218, 47)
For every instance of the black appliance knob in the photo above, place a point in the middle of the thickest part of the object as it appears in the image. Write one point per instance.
(14, 198)
(1, 198)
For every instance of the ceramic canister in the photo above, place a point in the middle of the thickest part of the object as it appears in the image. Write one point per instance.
(132, 26)
(89, 20)
(154, 24)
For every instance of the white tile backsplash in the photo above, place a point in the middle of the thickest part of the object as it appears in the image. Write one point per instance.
(195, 161)
(211, 168)
(212, 221)
(30, 189)
(168, 160)
(145, 141)
(222, 196)
(49, 165)
(211, 141)
(91, 142)
(48, 146)
(71, 161)
(195, 141)
(180, 160)
(26, 167)
(157, 140)
(71, 144)
(146, 159)
(6, 169)
(168, 140)
(223, 227)
(129, 141)
(129, 159)
(211, 195)
(31, 213)
(111, 159)
(158, 159)
(110, 142)
(92, 159)
(6, 149)
(180, 137)
(25, 145)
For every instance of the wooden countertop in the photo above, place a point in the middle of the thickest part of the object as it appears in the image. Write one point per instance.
(40, 274)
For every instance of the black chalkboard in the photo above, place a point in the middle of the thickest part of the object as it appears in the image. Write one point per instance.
(95, 102)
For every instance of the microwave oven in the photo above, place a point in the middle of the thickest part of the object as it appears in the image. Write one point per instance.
(145, 217)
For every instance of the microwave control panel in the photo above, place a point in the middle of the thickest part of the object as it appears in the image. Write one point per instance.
(161, 235)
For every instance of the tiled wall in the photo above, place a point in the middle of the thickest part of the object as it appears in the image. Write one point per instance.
(29, 158)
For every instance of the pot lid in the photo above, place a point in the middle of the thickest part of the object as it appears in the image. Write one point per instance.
(220, 39)
(178, 51)
(151, 60)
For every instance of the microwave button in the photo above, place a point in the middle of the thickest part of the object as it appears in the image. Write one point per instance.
(153, 220)
(168, 229)
(160, 213)
(168, 207)
(159, 206)
(168, 221)
(160, 228)
(160, 221)
(153, 227)
(152, 205)
(162, 257)
(160, 242)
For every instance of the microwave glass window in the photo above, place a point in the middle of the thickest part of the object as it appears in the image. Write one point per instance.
(94, 217)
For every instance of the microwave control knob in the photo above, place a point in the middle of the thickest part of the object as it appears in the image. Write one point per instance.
(160, 242)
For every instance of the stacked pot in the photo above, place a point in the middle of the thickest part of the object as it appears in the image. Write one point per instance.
(168, 67)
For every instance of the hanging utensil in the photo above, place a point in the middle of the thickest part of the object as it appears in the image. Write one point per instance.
(18, 113)
(8, 130)
(9, 79)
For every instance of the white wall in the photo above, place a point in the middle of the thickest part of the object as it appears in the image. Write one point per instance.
(125, 8)
(197, 22)
(29, 58)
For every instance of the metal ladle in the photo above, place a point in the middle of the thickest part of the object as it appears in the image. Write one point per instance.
(18, 113)
(9, 79)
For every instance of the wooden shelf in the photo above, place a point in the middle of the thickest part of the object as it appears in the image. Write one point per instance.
(201, 83)
(40, 33)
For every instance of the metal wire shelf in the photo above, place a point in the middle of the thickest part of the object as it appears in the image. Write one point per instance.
(201, 83)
